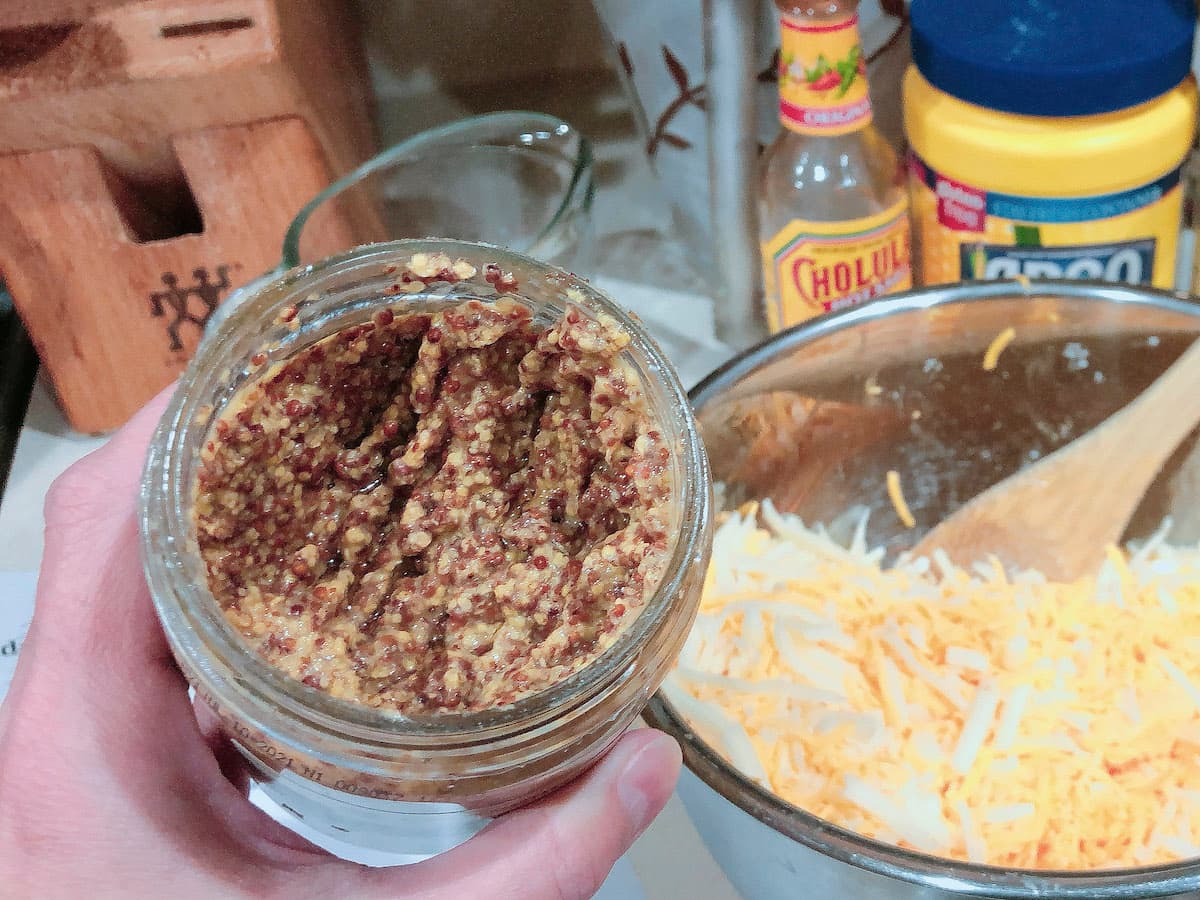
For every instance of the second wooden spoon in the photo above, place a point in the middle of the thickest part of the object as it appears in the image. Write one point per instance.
(1059, 515)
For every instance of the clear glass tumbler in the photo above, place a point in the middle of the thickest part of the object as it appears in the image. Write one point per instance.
(521, 180)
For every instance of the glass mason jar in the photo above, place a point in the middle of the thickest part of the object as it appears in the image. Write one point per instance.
(375, 779)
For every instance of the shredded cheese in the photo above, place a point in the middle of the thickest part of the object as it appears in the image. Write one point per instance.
(975, 714)
(896, 495)
(991, 357)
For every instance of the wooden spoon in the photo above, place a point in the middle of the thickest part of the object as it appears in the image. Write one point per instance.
(1059, 515)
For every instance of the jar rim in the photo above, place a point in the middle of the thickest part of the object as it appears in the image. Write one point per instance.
(219, 654)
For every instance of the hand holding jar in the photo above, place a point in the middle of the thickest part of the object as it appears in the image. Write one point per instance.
(113, 784)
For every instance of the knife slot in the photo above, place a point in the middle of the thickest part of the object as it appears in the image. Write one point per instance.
(198, 29)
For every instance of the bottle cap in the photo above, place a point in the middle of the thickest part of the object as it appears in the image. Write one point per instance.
(1053, 57)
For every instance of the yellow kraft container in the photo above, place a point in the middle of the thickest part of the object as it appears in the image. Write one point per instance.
(1000, 193)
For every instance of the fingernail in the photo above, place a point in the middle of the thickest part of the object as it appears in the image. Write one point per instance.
(648, 778)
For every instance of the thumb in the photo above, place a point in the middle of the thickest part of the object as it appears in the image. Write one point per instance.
(560, 848)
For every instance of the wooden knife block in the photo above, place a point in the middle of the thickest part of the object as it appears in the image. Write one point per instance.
(152, 155)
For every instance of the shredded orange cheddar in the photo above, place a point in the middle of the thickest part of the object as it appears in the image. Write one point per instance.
(896, 495)
(971, 714)
(991, 356)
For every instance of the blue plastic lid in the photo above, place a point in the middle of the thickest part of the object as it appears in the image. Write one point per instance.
(1054, 57)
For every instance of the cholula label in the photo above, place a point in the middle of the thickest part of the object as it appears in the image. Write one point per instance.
(817, 267)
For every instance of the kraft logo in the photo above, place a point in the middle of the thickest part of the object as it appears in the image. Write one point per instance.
(960, 206)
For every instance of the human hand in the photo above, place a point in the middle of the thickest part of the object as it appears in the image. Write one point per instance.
(113, 785)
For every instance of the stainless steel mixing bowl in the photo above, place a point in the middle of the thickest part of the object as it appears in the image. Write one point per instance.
(816, 416)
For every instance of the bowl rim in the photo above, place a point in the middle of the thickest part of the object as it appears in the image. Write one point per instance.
(842, 844)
